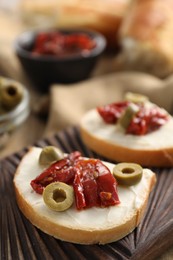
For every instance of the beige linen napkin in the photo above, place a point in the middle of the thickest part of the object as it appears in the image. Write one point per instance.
(69, 103)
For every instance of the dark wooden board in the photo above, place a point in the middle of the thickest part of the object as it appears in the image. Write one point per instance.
(19, 239)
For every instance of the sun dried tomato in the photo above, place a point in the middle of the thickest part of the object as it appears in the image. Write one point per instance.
(62, 171)
(145, 121)
(78, 191)
(112, 112)
(62, 44)
(107, 188)
(93, 183)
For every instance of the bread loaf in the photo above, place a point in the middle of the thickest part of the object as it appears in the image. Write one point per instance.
(146, 37)
(88, 226)
(100, 15)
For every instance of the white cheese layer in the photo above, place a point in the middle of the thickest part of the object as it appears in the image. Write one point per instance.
(159, 139)
(131, 198)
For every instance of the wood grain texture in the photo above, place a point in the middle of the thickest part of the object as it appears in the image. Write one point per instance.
(21, 240)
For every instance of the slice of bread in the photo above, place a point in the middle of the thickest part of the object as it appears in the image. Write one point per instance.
(88, 226)
(153, 149)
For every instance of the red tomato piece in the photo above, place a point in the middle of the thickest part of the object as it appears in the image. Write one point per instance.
(96, 183)
(86, 172)
(112, 112)
(107, 187)
(91, 193)
(147, 120)
(79, 192)
(62, 171)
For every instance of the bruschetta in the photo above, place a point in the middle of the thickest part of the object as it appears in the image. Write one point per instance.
(104, 216)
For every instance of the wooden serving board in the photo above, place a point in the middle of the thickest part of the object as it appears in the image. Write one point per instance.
(19, 239)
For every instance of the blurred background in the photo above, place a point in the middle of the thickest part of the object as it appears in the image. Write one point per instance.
(139, 32)
(138, 36)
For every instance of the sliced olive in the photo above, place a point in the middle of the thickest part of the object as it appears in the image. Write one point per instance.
(11, 94)
(50, 154)
(128, 115)
(58, 196)
(136, 98)
(128, 173)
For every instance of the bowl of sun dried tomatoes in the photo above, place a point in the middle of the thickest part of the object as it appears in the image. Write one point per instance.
(59, 56)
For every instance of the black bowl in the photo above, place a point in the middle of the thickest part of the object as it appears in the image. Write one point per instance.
(46, 69)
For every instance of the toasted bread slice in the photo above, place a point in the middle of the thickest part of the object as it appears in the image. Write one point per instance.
(153, 149)
(88, 226)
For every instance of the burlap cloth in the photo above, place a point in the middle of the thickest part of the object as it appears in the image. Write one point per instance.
(67, 104)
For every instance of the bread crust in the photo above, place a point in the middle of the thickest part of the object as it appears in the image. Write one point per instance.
(150, 157)
(75, 234)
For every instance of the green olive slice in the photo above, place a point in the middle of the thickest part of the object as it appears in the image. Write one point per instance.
(11, 93)
(50, 154)
(128, 173)
(136, 98)
(128, 115)
(58, 196)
